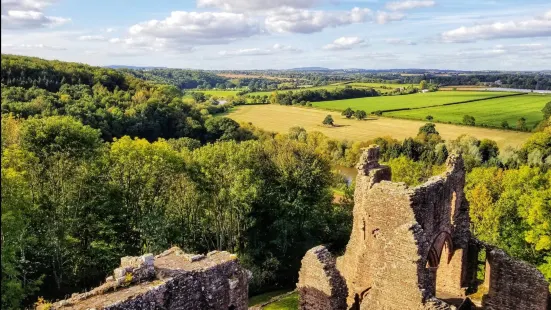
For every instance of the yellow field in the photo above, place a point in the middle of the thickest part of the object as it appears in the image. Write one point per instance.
(280, 118)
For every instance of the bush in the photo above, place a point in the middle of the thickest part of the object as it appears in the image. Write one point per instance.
(348, 113)
(469, 120)
(360, 114)
(328, 120)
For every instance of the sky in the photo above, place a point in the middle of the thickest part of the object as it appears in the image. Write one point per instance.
(282, 34)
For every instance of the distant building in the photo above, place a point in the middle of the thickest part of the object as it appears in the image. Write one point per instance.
(498, 82)
(425, 91)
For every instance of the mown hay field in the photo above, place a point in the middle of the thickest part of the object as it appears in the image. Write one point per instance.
(491, 112)
(419, 100)
(278, 118)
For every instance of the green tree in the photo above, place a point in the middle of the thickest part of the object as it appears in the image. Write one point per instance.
(59, 135)
(469, 120)
(546, 110)
(429, 118)
(328, 120)
(488, 149)
(521, 124)
(360, 114)
(348, 113)
(505, 124)
(423, 84)
(428, 129)
(198, 97)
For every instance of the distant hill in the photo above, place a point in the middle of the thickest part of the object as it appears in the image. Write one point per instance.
(310, 69)
(133, 67)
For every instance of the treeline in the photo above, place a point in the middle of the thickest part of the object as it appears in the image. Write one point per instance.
(50, 75)
(72, 205)
(182, 78)
(133, 107)
(526, 80)
(304, 96)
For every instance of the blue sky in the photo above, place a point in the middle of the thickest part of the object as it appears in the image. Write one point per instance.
(279, 34)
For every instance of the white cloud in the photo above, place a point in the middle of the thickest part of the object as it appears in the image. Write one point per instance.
(409, 5)
(536, 27)
(183, 29)
(256, 5)
(27, 14)
(511, 50)
(384, 17)
(396, 41)
(275, 49)
(306, 21)
(345, 43)
(92, 38)
(109, 30)
(31, 46)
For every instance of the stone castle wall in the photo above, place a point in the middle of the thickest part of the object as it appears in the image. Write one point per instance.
(411, 248)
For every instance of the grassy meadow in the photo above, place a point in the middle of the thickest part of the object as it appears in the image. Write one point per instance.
(280, 118)
(419, 100)
(268, 93)
(491, 112)
(219, 93)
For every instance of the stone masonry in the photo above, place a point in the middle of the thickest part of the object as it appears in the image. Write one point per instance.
(170, 280)
(411, 248)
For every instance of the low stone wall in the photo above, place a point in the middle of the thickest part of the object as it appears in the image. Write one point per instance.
(170, 280)
(513, 284)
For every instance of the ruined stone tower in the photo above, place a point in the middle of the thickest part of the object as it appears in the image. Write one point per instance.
(411, 248)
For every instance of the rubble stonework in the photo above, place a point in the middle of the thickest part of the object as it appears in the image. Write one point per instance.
(411, 248)
(170, 280)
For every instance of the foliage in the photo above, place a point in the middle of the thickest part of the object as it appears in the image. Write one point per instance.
(182, 78)
(360, 114)
(428, 129)
(294, 97)
(328, 120)
(469, 120)
(115, 103)
(348, 113)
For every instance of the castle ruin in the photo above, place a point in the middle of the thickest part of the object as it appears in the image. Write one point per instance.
(411, 248)
(170, 280)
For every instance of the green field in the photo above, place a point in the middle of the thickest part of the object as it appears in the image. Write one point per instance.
(419, 100)
(491, 112)
(219, 93)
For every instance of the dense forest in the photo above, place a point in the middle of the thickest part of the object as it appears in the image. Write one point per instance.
(98, 164)
(303, 96)
(183, 79)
